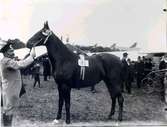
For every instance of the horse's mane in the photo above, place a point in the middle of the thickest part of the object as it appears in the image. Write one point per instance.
(58, 46)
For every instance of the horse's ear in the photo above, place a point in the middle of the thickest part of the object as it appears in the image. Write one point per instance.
(46, 25)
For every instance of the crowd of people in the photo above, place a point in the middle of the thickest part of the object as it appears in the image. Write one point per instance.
(44, 65)
(40, 67)
(135, 71)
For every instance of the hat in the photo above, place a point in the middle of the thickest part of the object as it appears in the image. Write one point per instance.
(162, 58)
(125, 54)
(4, 45)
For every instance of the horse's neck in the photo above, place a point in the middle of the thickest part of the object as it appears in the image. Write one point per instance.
(58, 51)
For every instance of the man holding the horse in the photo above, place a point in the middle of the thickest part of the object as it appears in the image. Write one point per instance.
(11, 79)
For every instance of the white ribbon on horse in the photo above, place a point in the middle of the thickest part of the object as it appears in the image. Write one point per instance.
(82, 63)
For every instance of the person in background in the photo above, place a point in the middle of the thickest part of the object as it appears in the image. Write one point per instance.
(148, 66)
(139, 71)
(162, 65)
(46, 68)
(36, 74)
(125, 71)
(130, 75)
(165, 89)
(11, 80)
(133, 63)
(143, 59)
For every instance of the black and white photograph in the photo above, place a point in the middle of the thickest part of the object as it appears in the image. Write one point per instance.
(83, 63)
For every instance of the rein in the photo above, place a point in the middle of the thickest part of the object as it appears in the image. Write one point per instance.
(37, 42)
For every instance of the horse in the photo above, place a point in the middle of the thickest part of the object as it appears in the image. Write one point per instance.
(66, 71)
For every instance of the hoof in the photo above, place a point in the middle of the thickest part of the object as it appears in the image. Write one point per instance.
(165, 109)
(55, 121)
(58, 117)
(93, 91)
(120, 118)
(110, 117)
(67, 121)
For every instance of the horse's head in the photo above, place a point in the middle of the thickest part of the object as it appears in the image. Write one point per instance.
(41, 37)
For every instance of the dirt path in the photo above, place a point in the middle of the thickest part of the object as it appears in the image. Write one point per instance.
(38, 107)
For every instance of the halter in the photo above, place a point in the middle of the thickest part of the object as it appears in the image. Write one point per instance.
(48, 34)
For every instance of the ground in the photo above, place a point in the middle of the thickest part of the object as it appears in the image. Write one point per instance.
(39, 106)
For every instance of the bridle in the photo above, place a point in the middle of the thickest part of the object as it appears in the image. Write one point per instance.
(48, 33)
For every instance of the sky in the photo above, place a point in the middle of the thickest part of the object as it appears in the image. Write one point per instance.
(88, 22)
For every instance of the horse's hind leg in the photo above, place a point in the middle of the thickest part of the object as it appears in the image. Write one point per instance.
(112, 112)
(113, 98)
(120, 102)
(115, 92)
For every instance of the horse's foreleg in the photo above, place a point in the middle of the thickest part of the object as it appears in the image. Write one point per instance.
(120, 102)
(112, 108)
(67, 104)
(61, 102)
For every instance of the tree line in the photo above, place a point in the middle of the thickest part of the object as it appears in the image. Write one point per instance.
(19, 44)
(96, 48)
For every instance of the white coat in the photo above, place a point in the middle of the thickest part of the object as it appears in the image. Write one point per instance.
(11, 81)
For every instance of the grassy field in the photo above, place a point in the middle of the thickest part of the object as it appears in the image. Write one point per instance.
(38, 107)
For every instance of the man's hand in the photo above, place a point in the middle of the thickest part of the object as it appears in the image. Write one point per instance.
(32, 53)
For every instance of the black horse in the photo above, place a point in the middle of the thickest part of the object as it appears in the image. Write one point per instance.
(66, 71)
